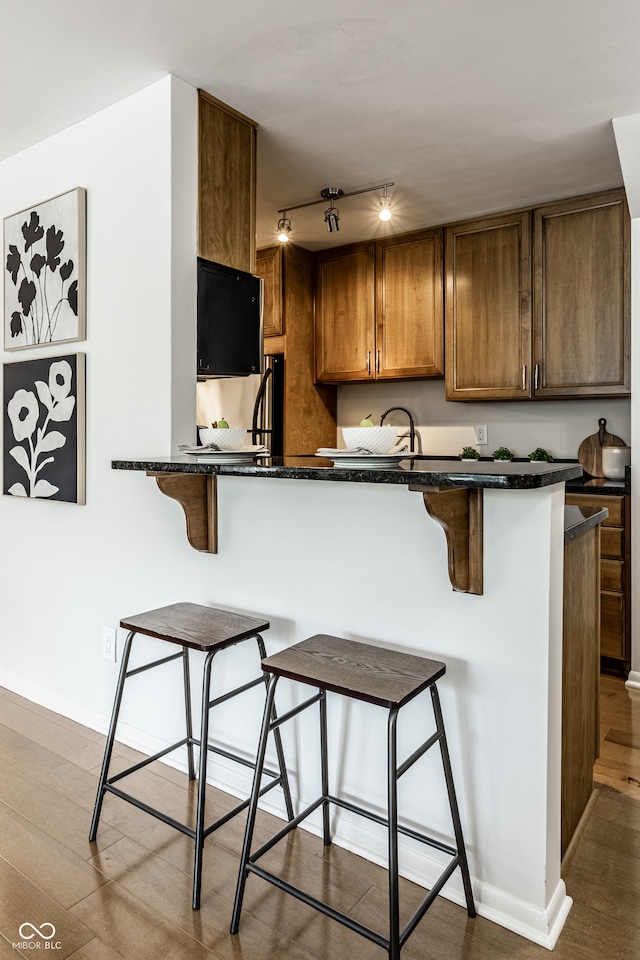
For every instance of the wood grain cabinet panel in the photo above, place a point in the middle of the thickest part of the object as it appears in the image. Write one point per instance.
(409, 306)
(226, 184)
(269, 267)
(615, 574)
(488, 308)
(288, 272)
(582, 297)
(379, 309)
(345, 313)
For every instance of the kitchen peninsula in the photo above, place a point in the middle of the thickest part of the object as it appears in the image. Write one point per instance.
(359, 557)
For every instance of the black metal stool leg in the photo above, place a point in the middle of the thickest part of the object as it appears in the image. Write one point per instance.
(253, 803)
(202, 779)
(392, 805)
(284, 776)
(453, 803)
(106, 761)
(324, 757)
(187, 712)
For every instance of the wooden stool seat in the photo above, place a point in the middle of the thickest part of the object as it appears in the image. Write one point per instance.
(358, 670)
(195, 626)
(209, 630)
(387, 678)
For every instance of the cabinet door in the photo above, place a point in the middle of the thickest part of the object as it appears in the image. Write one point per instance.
(488, 309)
(409, 306)
(581, 297)
(345, 332)
(226, 185)
(269, 267)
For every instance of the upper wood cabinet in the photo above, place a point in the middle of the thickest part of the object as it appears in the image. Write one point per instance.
(379, 309)
(226, 184)
(269, 267)
(488, 308)
(582, 297)
(553, 325)
(345, 313)
(409, 306)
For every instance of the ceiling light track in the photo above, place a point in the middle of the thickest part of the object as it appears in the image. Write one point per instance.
(331, 214)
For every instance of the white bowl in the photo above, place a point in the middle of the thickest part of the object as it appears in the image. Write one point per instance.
(614, 460)
(225, 438)
(378, 440)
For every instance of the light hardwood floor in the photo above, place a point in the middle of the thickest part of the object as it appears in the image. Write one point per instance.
(128, 895)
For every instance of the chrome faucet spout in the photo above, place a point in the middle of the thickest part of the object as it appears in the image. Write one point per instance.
(412, 426)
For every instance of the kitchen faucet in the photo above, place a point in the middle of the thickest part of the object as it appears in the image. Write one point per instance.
(412, 428)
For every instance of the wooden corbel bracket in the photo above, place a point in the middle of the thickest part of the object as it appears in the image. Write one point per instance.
(458, 510)
(198, 495)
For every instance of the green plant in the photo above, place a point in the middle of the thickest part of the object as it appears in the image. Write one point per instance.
(503, 453)
(469, 453)
(540, 454)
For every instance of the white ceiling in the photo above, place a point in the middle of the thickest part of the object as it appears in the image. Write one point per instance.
(470, 106)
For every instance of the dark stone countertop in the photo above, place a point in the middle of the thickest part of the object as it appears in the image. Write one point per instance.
(426, 471)
(577, 520)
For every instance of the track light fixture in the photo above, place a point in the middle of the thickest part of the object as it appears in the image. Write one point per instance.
(331, 214)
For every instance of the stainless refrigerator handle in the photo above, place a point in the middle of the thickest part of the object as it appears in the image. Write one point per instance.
(259, 407)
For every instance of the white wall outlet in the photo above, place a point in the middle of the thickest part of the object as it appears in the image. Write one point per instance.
(109, 643)
(481, 433)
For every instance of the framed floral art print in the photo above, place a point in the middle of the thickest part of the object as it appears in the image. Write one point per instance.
(43, 445)
(45, 272)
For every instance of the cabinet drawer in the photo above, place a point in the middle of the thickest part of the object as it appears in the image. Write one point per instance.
(612, 625)
(612, 542)
(612, 575)
(615, 506)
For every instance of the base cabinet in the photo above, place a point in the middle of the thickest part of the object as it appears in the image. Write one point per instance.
(580, 678)
(615, 579)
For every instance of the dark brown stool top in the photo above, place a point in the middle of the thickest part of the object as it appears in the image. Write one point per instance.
(195, 626)
(359, 670)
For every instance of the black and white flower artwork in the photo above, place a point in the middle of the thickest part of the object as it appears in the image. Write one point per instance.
(43, 430)
(44, 281)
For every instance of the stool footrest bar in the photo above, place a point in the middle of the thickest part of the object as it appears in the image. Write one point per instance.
(294, 711)
(158, 814)
(406, 831)
(428, 900)
(154, 663)
(234, 693)
(291, 825)
(220, 822)
(321, 906)
(420, 752)
(148, 760)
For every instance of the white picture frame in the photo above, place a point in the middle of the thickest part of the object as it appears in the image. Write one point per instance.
(45, 272)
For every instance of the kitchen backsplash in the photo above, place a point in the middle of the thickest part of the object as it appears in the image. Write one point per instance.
(445, 427)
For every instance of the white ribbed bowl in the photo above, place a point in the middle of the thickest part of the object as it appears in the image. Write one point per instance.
(376, 439)
(226, 439)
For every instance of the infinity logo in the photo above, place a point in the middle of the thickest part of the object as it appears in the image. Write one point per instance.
(40, 931)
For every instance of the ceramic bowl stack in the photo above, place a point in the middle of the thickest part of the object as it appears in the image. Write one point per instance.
(377, 440)
(224, 438)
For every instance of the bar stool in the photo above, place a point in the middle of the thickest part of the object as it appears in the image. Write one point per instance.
(378, 676)
(209, 630)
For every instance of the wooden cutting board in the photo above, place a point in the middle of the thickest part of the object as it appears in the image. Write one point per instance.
(590, 450)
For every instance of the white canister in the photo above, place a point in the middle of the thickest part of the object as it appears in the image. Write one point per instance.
(614, 460)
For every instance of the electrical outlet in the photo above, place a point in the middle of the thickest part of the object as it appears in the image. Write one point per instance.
(109, 643)
(481, 433)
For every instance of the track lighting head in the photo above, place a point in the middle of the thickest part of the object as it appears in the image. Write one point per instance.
(284, 228)
(331, 215)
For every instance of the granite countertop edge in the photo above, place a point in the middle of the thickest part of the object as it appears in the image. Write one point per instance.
(577, 520)
(444, 473)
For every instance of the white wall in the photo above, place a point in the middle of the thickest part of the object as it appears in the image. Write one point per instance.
(627, 134)
(65, 570)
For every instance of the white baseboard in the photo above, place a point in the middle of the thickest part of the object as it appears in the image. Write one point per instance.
(542, 926)
(633, 680)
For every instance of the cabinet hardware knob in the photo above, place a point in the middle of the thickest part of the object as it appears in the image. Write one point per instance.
(524, 377)
(368, 361)
(535, 376)
(377, 361)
